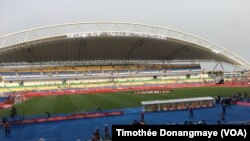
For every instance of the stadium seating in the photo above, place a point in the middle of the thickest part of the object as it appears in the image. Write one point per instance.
(88, 77)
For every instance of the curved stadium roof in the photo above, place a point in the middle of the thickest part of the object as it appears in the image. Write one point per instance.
(113, 41)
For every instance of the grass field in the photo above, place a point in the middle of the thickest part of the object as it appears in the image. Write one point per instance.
(89, 102)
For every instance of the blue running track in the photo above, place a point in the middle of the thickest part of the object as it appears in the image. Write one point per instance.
(83, 128)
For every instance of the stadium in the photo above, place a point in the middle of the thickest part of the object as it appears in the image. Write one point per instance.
(85, 75)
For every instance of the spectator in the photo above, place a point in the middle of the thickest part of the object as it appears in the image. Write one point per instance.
(13, 111)
(98, 108)
(4, 120)
(191, 112)
(142, 116)
(94, 137)
(7, 129)
(224, 109)
(97, 132)
(106, 131)
(48, 114)
(223, 118)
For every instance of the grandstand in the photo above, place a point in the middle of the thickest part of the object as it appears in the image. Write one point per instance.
(109, 57)
(109, 75)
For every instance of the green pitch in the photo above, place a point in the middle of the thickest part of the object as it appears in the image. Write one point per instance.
(89, 102)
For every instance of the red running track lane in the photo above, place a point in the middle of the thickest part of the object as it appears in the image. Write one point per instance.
(69, 117)
(6, 104)
(243, 103)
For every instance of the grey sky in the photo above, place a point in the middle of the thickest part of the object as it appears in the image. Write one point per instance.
(225, 22)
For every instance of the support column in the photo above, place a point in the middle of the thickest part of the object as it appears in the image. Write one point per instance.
(214, 69)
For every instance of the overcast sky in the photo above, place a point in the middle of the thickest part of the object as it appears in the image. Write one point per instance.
(225, 22)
